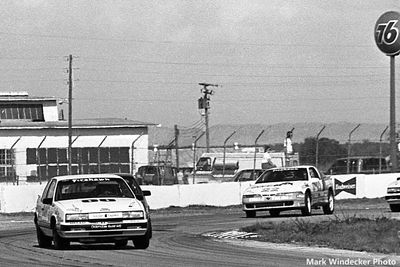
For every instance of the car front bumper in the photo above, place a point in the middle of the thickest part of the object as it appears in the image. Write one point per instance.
(103, 230)
(270, 203)
(393, 198)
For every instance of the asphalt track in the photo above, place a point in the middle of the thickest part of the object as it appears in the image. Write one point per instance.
(178, 240)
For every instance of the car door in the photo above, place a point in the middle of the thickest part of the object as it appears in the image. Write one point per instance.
(40, 205)
(317, 185)
(46, 209)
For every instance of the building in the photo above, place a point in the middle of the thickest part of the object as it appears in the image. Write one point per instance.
(34, 141)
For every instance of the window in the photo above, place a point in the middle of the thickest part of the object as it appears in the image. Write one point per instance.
(204, 164)
(21, 112)
(50, 192)
(283, 176)
(313, 173)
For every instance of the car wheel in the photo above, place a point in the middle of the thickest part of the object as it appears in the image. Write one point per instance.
(395, 208)
(121, 243)
(330, 207)
(43, 240)
(150, 229)
(274, 213)
(59, 242)
(141, 242)
(250, 213)
(306, 211)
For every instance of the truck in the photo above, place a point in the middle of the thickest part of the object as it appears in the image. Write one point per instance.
(221, 167)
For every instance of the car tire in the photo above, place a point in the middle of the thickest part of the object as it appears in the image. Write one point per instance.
(150, 229)
(330, 207)
(274, 213)
(59, 242)
(306, 211)
(43, 240)
(251, 213)
(395, 207)
(141, 242)
(121, 243)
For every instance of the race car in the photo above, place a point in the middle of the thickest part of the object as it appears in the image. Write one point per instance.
(393, 195)
(289, 188)
(90, 208)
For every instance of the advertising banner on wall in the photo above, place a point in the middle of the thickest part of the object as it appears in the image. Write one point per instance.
(349, 186)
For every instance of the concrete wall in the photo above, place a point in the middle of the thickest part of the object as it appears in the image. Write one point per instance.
(23, 197)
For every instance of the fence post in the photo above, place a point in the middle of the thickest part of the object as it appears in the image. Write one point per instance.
(13, 161)
(38, 159)
(255, 153)
(317, 146)
(98, 154)
(349, 148)
(223, 164)
(380, 148)
(194, 145)
(133, 151)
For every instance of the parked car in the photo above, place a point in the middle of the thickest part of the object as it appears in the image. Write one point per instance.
(290, 188)
(393, 195)
(247, 175)
(362, 164)
(90, 208)
(139, 194)
(157, 175)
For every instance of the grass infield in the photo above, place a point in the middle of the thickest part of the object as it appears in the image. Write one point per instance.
(354, 232)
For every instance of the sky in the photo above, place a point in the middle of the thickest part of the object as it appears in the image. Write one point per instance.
(273, 61)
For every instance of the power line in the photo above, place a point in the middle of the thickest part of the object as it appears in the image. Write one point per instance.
(230, 75)
(230, 64)
(260, 44)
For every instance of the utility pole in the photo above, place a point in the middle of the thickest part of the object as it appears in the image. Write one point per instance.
(204, 103)
(70, 115)
(177, 147)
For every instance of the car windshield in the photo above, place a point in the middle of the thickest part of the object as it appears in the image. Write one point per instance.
(92, 188)
(283, 175)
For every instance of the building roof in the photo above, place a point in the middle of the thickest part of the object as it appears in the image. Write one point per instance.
(23, 96)
(78, 123)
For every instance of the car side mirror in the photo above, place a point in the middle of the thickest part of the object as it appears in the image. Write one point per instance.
(146, 193)
(48, 201)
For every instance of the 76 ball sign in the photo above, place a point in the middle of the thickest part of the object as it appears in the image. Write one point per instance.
(387, 34)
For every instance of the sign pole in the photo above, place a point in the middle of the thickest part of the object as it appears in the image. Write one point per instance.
(393, 143)
(386, 33)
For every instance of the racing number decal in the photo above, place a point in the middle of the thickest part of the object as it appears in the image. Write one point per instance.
(387, 32)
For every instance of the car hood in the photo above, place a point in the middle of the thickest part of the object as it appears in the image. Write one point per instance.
(100, 205)
(277, 187)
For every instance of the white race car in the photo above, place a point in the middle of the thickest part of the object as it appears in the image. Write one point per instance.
(90, 208)
(279, 189)
(393, 195)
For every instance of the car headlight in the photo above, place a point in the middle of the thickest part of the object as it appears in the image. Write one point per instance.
(77, 217)
(291, 194)
(393, 190)
(132, 214)
(252, 195)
